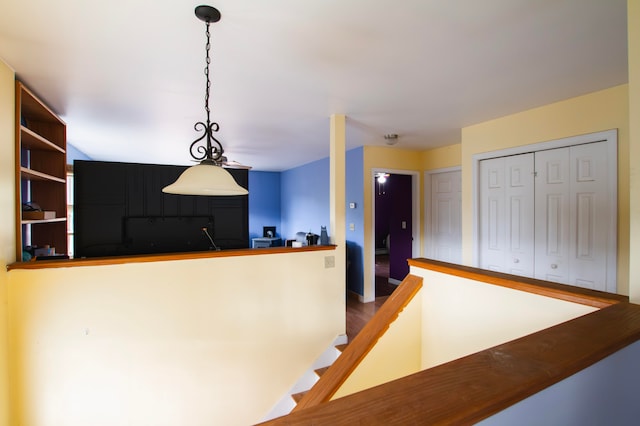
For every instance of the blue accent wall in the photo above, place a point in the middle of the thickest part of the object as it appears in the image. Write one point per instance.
(74, 153)
(354, 192)
(305, 198)
(264, 202)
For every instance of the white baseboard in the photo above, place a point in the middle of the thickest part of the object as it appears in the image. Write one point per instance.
(353, 295)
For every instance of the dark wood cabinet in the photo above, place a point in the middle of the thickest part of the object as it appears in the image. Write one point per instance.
(120, 209)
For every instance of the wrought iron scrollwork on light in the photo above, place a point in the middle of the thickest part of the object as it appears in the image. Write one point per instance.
(209, 151)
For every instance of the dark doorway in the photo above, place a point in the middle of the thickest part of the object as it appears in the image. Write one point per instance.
(393, 230)
(400, 230)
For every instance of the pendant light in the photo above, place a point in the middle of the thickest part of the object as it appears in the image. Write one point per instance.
(208, 177)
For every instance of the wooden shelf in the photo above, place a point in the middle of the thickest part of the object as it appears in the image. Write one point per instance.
(33, 108)
(36, 221)
(40, 159)
(33, 141)
(28, 174)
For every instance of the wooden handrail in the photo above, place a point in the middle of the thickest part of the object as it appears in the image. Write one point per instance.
(143, 258)
(472, 388)
(355, 352)
(583, 296)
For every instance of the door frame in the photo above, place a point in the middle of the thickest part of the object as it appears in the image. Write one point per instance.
(428, 231)
(415, 219)
(609, 136)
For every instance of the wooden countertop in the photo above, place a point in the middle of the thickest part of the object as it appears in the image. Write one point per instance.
(116, 260)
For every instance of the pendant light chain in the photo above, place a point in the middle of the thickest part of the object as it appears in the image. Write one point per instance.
(206, 73)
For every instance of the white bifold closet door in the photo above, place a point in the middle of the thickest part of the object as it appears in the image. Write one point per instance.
(547, 215)
(507, 214)
(572, 215)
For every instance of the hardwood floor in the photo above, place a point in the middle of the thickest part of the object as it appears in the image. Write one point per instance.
(383, 286)
(358, 314)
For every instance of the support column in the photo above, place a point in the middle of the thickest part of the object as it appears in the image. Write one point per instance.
(337, 182)
(633, 33)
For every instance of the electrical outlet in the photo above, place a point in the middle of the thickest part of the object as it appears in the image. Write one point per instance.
(329, 262)
(352, 227)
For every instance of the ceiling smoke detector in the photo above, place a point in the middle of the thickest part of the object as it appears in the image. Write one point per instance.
(391, 138)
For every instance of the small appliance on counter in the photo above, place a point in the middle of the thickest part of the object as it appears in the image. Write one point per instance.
(312, 239)
(324, 237)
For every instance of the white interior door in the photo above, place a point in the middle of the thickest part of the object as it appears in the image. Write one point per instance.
(445, 238)
(507, 216)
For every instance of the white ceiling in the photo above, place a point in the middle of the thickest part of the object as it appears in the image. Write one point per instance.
(127, 75)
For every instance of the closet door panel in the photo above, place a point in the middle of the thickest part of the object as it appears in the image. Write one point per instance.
(552, 215)
(506, 203)
(520, 215)
(492, 229)
(590, 212)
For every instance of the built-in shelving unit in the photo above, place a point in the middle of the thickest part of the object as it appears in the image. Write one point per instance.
(41, 157)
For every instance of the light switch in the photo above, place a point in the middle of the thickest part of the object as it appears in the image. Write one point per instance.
(404, 224)
(352, 227)
(329, 262)
(352, 205)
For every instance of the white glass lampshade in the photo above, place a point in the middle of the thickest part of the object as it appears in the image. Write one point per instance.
(205, 179)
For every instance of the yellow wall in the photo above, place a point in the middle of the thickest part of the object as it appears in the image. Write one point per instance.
(376, 157)
(454, 324)
(391, 158)
(396, 354)
(7, 230)
(444, 321)
(440, 158)
(337, 191)
(633, 16)
(195, 342)
(594, 112)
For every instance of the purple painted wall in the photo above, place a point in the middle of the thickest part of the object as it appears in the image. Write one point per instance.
(394, 205)
(383, 212)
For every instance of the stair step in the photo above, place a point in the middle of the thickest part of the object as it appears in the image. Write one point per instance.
(341, 347)
(321, 371)
(298, 396)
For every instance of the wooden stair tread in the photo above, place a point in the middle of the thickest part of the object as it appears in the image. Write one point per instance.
(322, 370)
(298, 396)
(319, 371)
